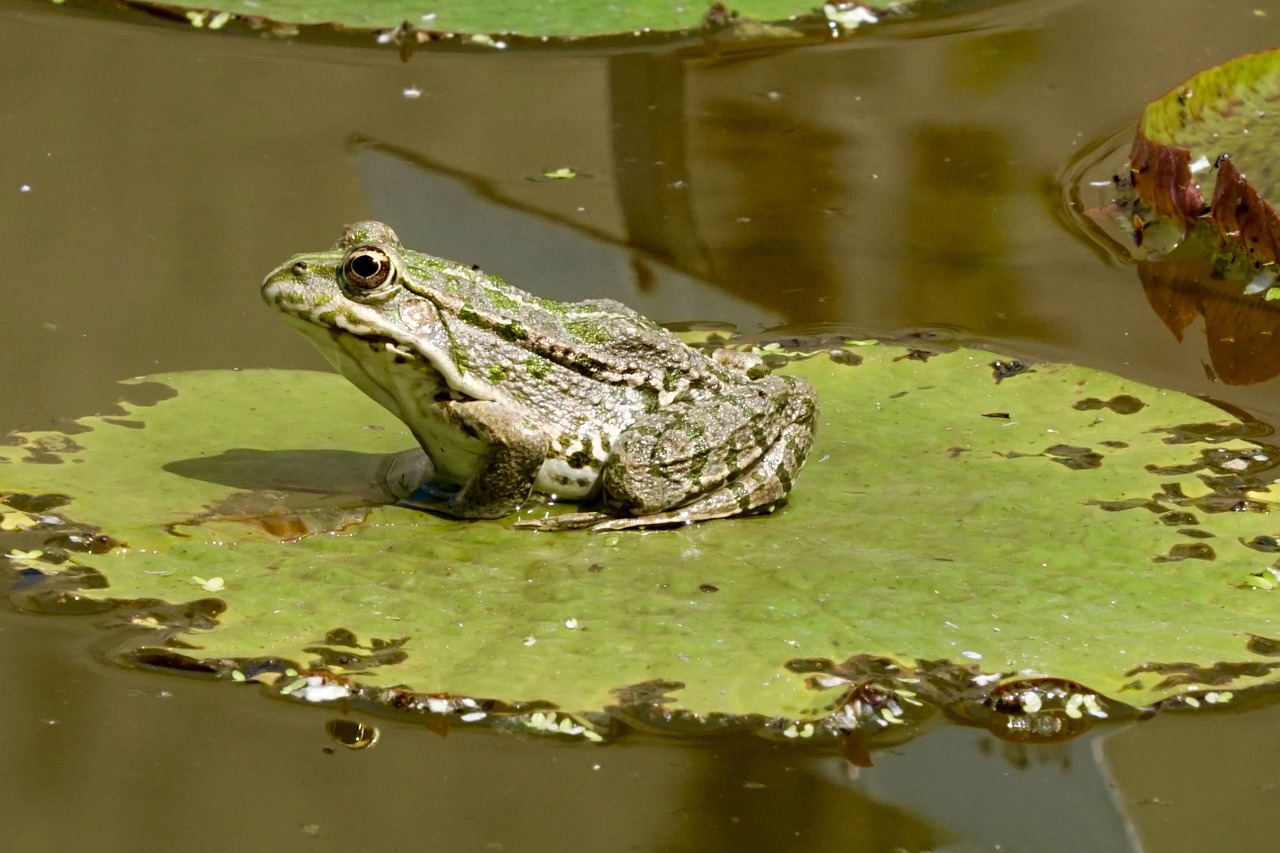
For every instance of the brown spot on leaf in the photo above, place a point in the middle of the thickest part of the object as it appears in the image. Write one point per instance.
(1121, 404)
(1187, 551)
(1263, 646)
(1075, 458)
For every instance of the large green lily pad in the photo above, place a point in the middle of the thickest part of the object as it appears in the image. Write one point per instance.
(562, 18)
(1058, 521)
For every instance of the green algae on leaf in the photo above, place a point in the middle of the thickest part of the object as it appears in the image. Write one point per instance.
(923, 529)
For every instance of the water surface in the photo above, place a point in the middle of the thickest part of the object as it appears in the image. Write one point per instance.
(905, 181)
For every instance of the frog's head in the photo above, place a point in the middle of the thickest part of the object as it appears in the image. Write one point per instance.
(362, 271)
(358, 304)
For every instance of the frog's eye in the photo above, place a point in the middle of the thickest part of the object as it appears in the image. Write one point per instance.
(367, 268)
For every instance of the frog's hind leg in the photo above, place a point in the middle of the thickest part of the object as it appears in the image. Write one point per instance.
(737, 457)
(761, 489)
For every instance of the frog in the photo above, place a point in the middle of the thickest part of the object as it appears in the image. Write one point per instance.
(510, 394)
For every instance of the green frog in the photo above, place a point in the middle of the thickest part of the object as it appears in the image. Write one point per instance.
(508, 393)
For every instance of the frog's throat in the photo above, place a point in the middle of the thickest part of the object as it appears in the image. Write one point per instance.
(383, 368)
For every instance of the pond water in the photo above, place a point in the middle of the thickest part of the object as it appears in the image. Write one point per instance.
(906, 181)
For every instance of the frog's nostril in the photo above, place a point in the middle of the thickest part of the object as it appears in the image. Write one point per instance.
(299, 267)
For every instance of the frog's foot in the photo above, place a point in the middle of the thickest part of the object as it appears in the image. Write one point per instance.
(404, 473)
(408, 478)
(722, 503)
(510, 452)
(568, 521)
(602, 521)
(713, 506)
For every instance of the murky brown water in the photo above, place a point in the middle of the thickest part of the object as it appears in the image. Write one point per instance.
(900, 182)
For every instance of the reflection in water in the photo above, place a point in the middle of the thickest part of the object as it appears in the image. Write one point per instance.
(1183, 276)
(456, 214)
(956, 254)
(771, 236)
(1242, 332)
(649, 136)
(353, 734)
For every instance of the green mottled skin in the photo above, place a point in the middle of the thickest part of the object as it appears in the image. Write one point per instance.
(508, 393)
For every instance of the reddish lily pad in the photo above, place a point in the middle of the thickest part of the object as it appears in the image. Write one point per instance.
(1221, 125)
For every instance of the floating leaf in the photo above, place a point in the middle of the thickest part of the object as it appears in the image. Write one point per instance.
(564, 173)
(573, 18)
(1197, 199)
(1218, 126)
(16, 520)
(1098, 531)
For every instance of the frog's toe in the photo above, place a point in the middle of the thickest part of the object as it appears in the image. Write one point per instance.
(403, 474)
(434, 496)
(568, 521)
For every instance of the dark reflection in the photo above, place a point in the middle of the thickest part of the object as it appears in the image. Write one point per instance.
(743, 791)
(774, 248)
(956, 236)
(553, 253)
(1242, 332)
(652, 170)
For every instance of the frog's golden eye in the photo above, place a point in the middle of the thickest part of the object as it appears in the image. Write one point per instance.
(367, 268)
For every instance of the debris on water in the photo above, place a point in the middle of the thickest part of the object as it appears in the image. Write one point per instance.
(317, 688)
(848, 16)
(561, 724)
(1040, 710)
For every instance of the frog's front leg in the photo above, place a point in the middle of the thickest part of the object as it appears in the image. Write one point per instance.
(512, 451)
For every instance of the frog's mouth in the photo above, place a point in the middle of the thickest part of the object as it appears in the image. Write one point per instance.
(386, 369)
(389, 362)
(379, 346)
(339, 343)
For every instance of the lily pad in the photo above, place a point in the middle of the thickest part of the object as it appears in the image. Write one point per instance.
(561, 18)
(957, 507)
(1219, 125)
